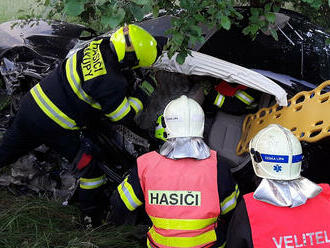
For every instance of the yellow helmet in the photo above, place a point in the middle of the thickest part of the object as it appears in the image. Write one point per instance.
(133, 38)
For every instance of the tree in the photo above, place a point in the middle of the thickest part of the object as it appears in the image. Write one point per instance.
(103, 15)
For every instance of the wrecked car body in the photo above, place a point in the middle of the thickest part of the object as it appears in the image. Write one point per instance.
(22, 66)
(30, 50)
(300, 52)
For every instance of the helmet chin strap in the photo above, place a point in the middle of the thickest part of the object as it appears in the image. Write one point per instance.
(130, 60)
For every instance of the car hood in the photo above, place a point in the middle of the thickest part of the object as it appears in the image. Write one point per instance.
(300, 52)
(48, 38)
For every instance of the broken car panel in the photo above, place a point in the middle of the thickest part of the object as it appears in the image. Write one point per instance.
(304, 61)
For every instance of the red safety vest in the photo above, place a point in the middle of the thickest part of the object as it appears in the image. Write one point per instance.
(282, 227)
(181, 199)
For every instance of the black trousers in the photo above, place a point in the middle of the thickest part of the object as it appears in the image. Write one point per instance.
(32, 128)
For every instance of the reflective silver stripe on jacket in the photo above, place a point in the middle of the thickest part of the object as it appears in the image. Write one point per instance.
(121, 111)
(92, 183)
(136, 104)
(244, 97)
(219, 100)
(75, 82)
(51, 110)
(129, 196)
(230, 202)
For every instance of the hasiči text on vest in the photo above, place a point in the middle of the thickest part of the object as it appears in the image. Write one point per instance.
(174, 198)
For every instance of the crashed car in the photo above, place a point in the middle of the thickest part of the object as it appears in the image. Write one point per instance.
(299, 62)
(29, 51)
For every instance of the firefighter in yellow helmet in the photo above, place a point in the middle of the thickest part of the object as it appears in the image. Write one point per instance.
(134, 46)
(90, 84)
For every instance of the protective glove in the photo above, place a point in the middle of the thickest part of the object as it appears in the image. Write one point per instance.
(84, 158)
(144, 90)
(148, 86)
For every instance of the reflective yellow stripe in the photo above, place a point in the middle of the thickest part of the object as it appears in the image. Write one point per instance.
(136, 104)
(230, 202)
(223, 245)
(51, 110)
(159, 133)
(128, 196)
(182, 224)
(75, 82)
(202, 239)
(148, 244)
(92, 183)
(244, 97)
(219, 100)
(159, 129)
(122, 110)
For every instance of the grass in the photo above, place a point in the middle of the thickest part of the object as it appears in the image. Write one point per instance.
(9, 9)
(34, 222)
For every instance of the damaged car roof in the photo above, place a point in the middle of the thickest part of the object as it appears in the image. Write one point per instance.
(300, 52)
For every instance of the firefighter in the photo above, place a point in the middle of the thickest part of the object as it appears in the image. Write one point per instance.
(188, 192)
(231, 98)
(286, 210)
(89, 85)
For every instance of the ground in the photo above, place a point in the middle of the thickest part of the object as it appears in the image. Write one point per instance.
(34, 221)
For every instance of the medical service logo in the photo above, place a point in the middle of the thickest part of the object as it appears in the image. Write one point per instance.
(92, 64)
(174, 198)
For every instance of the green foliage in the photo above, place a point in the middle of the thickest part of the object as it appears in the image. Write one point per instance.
(74, 7)
(261, 19)
(103, 15)
(317, 10)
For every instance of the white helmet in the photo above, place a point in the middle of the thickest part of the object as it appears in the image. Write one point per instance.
(184, 117)
(276, 153)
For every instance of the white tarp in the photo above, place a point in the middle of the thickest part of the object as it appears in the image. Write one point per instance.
(205, 65)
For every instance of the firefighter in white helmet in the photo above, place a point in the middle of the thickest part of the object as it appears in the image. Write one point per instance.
(230, 98)
(286, 209)
(185, 188)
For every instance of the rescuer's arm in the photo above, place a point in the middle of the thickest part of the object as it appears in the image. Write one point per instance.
(126, 198)
(111, 92)
(228, 196)
(226, 104)
(229, 193)
(229, 99)
(239, 230)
